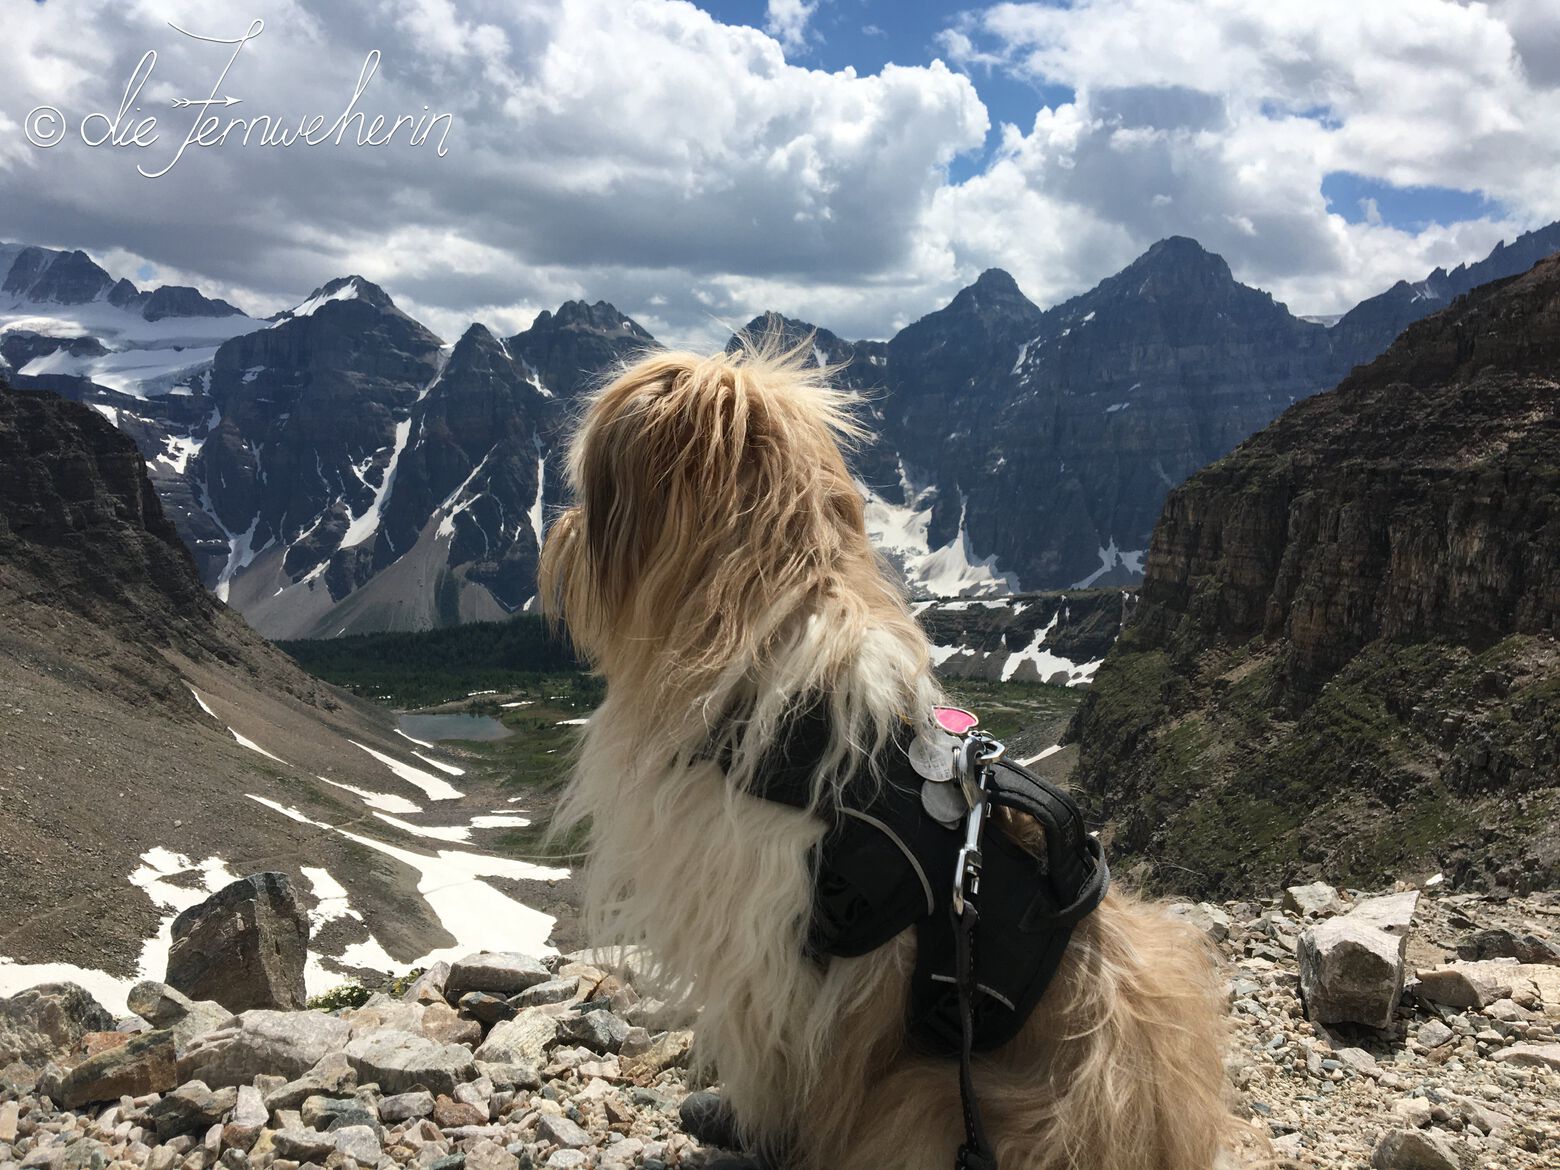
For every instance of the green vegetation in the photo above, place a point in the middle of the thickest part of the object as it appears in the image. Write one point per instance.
(436, 666)
(1006, 708)
(348, 995)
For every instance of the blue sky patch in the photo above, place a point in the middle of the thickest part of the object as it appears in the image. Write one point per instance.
(869, 34)
(1409, 208)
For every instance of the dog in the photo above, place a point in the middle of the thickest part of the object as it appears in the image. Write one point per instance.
(715, 560)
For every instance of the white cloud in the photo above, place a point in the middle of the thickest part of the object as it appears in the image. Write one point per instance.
(1220, 118)
(687, 171)
(787, 20)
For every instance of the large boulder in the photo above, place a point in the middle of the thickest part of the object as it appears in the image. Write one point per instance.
(498, 972)
(286, 1044)
(1352, 966)
(401, 1061)
(162, 1006)
(143, 1064)
(46, 1021)
(244, 946)
(522, 1040)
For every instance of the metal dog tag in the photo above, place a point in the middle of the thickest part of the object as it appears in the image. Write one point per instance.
(944, 803)
(931, 755)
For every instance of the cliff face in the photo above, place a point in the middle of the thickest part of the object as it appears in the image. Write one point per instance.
(1345, 656)
(81, 522)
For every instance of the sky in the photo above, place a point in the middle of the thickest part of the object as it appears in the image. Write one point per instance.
(849, 162)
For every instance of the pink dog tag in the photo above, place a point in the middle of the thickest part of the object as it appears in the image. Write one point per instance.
(954, 720)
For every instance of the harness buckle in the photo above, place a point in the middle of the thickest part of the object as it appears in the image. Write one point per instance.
(976, 753)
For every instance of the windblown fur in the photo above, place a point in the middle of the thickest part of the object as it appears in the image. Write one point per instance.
(716, 570)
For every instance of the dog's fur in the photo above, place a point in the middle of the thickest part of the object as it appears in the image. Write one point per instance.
(717, 561)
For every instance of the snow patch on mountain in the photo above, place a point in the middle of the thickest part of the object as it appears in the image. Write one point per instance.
(900, 531)
(1112, 558)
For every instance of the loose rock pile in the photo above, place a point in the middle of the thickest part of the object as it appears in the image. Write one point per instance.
(499, 1062)
(1409, 1031)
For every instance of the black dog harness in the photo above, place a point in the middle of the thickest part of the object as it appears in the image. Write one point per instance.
(913, 851)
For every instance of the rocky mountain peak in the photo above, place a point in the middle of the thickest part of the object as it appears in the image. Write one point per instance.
(1179, 265)
(64, 278)
(995, 294)
(601, 316)
(567, 349)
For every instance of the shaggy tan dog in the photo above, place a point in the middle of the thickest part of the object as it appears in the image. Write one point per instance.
(717, 560)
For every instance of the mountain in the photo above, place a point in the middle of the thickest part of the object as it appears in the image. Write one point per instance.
(1366, 330)
(156, 747)
(1345, 656)
(67, 324)
(1050, 438)
(369, 478)
(337, 468)
(567, 350)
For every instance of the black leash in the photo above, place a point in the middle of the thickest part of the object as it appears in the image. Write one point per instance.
(974, 756)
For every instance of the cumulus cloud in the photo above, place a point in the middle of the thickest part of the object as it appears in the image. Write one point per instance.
(694, 174)
(598, 149)
(1220, 118)
(787, 20)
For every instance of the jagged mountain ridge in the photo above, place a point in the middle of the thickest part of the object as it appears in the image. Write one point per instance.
(1345, 655)
(310, 464)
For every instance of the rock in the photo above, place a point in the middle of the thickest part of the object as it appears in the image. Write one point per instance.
(1433, 1034)
(166, 1007)
(553, 991)
(429, 986)
(298, 1144)
(560, 1131)
(47, 1021)
(95, 1042)
(379, 1013)
(1503, 944)
(406, 1106)
(566, 1160)
(449, 1113)
(249, 1118)
(1357, 1059)
(143, 1064)
(502, 972)
(444, 1025)
(359, 1142)
(336, 1112)
(486, 1154)
(9, 1113)
(490, 1008)
(1413, 1149)
(510, 1076)
(1351, 966)
(1531, 1055)
(191, 1108)
(1206, 917)
(1316, 900)
(401, 1061)
(285, 1044)
(331, 1076)
(522, 1040)
(670, 1051)
(244, 946)
(1393, 913)
(598, 1031)
(1456, 987)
